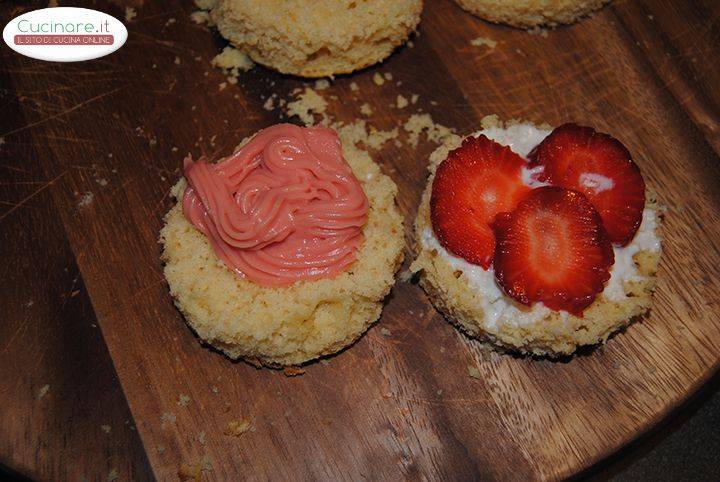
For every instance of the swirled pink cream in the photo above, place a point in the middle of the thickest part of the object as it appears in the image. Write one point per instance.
(285, 207)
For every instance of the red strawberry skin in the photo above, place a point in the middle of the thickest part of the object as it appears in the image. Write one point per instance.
(599, 166)
(553, 249)
(477, 181)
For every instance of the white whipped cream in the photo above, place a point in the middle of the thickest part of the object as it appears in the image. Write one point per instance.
(499, 308)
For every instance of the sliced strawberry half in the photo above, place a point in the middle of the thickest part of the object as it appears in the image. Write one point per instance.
(477, 181)
(553, 248)
(600, 167)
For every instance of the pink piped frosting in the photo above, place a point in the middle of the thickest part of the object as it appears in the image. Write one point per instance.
(286, 207)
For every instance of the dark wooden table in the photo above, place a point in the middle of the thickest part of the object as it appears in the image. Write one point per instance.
(95, 358)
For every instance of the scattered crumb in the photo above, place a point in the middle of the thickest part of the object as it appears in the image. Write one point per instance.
(388, 76)
(410, 44)
(419, 123)
(480, 41)
(385, 332)
(324, 362)
(105, 428)
(414, 99)
(174, 149)
(167, 418)
(160, 448)
(43, 391)
(308, 103)
(29, 303)
(365, 109)
(378, 79)
(270, 103)
(222, 85)
(293, 371)
(200, 17)
(189, 472)
(102, 181)
(439, 392)
(322, 84)
(402, 102)
(170, 21)
(113, 475)
(177, 60)
(183, 400)
(538, 31)
(130, 13)
(214, 390)
(236, 428)
(86, 199)
(201, 438)
(354, 87)
(206, 463)
(473, 372)
(232, 61)
(110, 154)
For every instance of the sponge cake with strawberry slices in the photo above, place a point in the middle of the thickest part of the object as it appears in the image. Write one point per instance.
(537, 241)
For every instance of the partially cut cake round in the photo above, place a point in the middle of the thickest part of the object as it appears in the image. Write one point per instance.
(531, 13)
(317, 38)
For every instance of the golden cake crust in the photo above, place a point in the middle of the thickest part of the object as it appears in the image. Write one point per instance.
(317, 38)
(552, 335)
(531, 13)
(294, 324)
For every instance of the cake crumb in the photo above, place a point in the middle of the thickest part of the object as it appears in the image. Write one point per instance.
(538, 31)
(236, 428)
(113, 475)
(183, 400)
(354, 87)
(177, 60)
(201, 438)
(86, 199)
(200, 17)
(231, 60)
(130, 13)
(385, 332)
(167, 418)
(307, 103)
(293, 371)
(401, 102)
(106, 428)
(160, 448)
(473, 372)
(388, 76)
(269, 103)
(414, 99)
(322, 84)
(419, 123)
(366, 110)
(170, 21)
(480, 41)
(222, 85)
(215, 390)
(43, 391)
(378, 79)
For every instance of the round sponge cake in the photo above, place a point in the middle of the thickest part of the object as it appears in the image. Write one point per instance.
(469, 298)
(317, 38)
(531, 13)
(297, 323)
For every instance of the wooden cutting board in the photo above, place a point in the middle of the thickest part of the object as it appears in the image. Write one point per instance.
(107, 139)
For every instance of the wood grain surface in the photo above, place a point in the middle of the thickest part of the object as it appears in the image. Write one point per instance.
(89, 151)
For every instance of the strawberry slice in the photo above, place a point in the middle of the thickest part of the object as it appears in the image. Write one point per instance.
(553, 248)
(477, 180)
(600, 167)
